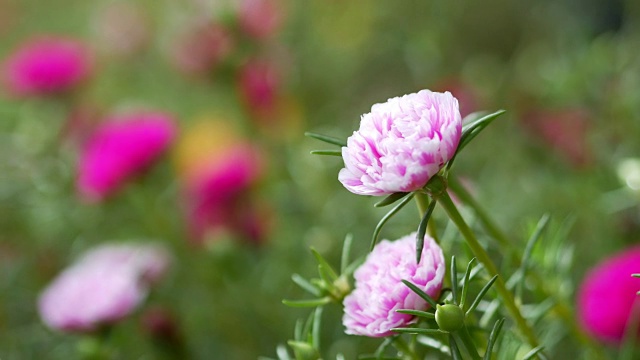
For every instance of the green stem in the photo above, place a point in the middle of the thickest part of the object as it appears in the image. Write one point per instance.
(407, 352)
(422, 201)
(484, 218)
(561, 307)
(483, 257)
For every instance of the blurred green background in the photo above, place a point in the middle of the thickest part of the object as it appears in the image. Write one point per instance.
(567, 72)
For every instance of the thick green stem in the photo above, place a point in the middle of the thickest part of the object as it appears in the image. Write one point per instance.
(561, 307)
(423, 202)
(483, 257)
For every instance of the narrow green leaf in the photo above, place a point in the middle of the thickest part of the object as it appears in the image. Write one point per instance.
(423, 314)
(481, 294)
(389, 215)
(308, 325)
(306, 285)
(326, 152)
(373, 357)
(465, 284)
(297, 330)
(535, 312)
(307, 303)
(493, 337)
(422, 230)
(531, 354)
(418, 331)
(454, 280)
(321, 261)
(540, 227)
(533, 240)
(489, 313)
(470, 131)
(455, 351)
(325, 138)
(421, 293)
(327, 276)
(390, 199)
(315, 331)
(473, 117)
(346, 251)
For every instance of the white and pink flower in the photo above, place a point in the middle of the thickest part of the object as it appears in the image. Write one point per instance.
(370, 309)
(102, 287)
(401, 144)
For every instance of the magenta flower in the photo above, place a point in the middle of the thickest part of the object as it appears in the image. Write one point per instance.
(370, 309)
(102, 287)
(401, 144)
(121, 147)
(46, 65)
(607, 296)
(218, 197)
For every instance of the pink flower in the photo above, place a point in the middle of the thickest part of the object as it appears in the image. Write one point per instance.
(46, 65)
(401, 144)
(121, 147)
(260, 18)
(102, 287)
(564, 130)
(370, 309)
(259, 82)
(607, 295)
(202, 48)
(218, 199)
(123, 28)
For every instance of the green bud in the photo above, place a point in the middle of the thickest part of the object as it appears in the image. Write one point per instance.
(436, 186)
(449, 317)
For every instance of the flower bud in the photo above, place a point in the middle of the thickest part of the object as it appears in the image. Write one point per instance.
(449, 317)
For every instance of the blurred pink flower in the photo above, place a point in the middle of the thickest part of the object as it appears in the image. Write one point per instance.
(401, 144)
(370, 310)
(259, 83)
(201, 49)
(121, 147)
(607, 295)
(565, 130)
(46, 65)
(217, 197)
(260, 18)
(103, 286)
(123, 28)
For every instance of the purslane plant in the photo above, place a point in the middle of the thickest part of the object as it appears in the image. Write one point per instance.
(405, 149)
